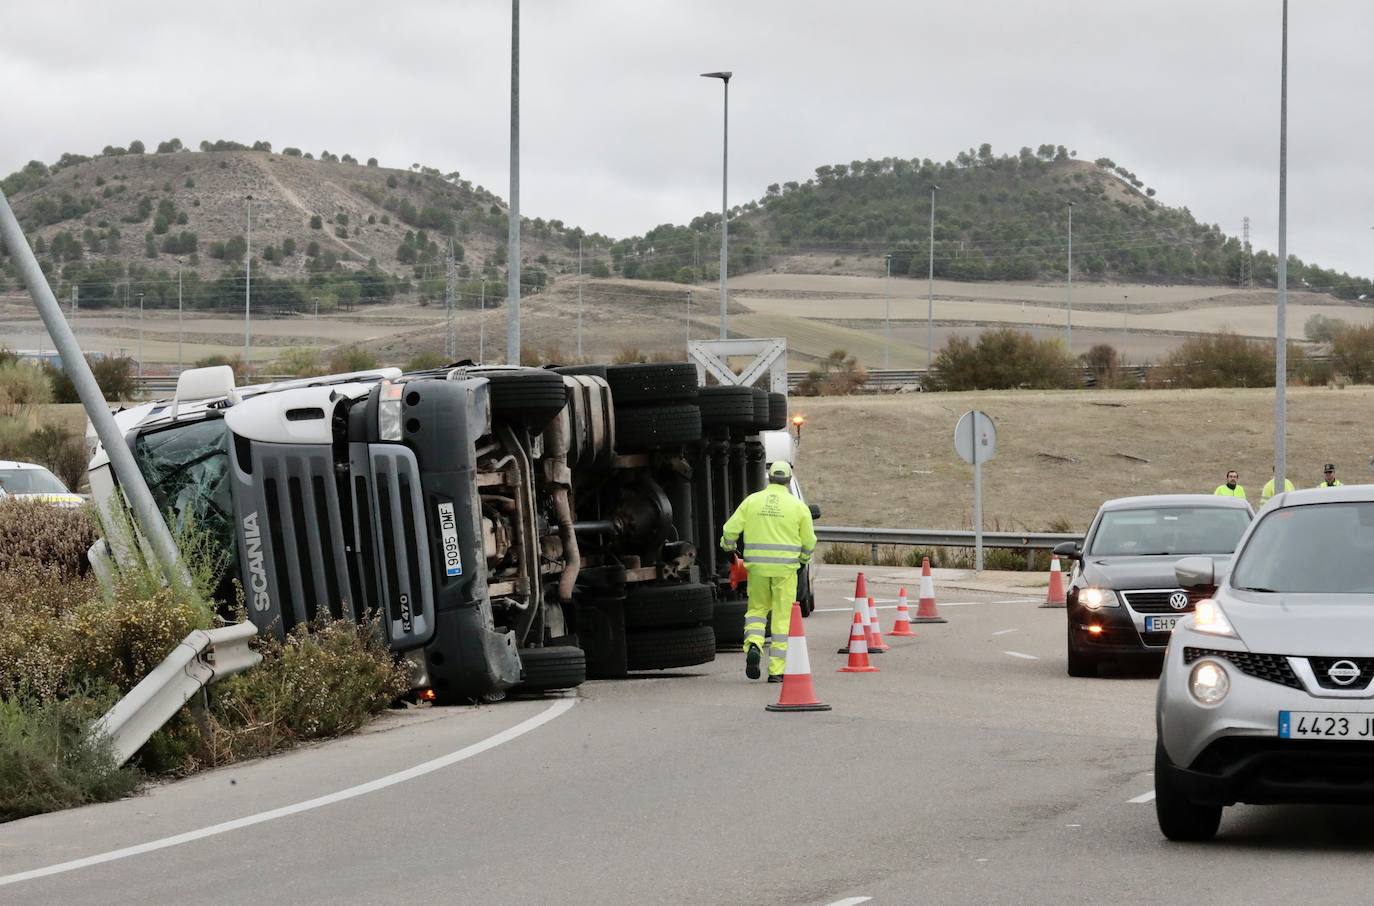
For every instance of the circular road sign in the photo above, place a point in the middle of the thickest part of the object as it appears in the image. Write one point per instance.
(975, 437)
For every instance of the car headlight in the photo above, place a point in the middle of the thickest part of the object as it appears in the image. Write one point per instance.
(1096, 598)
(1208, 682)
(1208, 617)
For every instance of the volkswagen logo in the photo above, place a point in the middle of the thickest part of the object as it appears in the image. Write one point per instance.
(1343, 673)
(1178, 600)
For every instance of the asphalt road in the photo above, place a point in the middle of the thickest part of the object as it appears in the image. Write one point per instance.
(969, 770)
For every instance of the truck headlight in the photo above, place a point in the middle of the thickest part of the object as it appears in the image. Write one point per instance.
(1097, 598)
(1208, 682)
(389, 412)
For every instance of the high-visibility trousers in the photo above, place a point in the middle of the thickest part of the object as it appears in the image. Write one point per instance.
(770, 596)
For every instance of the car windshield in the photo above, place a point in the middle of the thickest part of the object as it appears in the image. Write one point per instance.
(187, 468)
(1325, 548)
(36, 480)
(1169, 530)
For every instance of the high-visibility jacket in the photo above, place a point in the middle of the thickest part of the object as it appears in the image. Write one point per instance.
(1223, 491)
(1269, 489)
(778, 535)
(1334, 483)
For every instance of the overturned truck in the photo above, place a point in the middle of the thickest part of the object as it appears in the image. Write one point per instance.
(506, 527)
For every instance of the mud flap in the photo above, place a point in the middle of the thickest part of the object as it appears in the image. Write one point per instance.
(601, 633)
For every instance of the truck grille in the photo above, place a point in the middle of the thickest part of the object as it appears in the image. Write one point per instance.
(304, 532)
(401, 539)
(1156, 600)
(1271, 667)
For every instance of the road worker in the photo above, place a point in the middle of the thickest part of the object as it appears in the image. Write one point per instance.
(1269, 490)
(1231, 488)
(1329, 479)
(778, 540)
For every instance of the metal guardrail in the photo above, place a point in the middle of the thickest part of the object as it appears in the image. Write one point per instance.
(1030, 542)
(202, 658)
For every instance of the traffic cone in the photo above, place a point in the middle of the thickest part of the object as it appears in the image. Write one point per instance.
(797, 692)
(876, 643)
(866, 618)
(860, 588)
(858, 650)
(1054, 597)
(902, 625)
(925, 605)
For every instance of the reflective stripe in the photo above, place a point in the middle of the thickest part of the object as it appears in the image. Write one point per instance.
(772, 547)
(749, 559)
(808, 550)
(754, 621)
(754, 636)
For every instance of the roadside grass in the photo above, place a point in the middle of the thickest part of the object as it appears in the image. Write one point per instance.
(70, 648)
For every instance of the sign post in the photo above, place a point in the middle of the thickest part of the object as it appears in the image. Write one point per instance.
(975, 440)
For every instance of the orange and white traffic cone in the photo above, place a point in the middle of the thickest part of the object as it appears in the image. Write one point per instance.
(1054, 596)
(798, 694)
(902, 625)
(925, 605)
(858, 650)
(860, 594)
(876, 644)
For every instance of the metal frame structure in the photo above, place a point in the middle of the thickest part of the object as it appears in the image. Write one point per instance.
(769, 357)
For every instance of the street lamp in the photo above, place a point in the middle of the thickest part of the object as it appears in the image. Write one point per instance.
(1281, 338)
(140, 336)
(317, 322)
(1069, 322)
(247, 289)
(513, 223)
(724, 186)
(887, 312)
(930, 290)
(179, 330)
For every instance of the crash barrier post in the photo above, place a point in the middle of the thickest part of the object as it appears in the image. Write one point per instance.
(1054, 595)
(798, 692)
(926, 611)
(202, 658)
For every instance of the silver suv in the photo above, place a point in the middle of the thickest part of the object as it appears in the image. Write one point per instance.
(1266, 691)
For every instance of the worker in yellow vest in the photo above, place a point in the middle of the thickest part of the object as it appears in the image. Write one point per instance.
(1329, 479)
(1231, 488)
(779, 539)
(1269, 490)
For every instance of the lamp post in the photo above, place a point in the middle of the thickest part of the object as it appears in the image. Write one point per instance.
(140, 337)
(247, 290)
(317, 322)
(1281, 339)
(179, 328)
(887, 312)
(724, 187)
(1068, 343)
(930, 288)
(579, 297)
(513, 224)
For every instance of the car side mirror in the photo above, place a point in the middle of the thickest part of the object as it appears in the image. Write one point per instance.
(815, 511)
(1193, 572)
(1071, 550)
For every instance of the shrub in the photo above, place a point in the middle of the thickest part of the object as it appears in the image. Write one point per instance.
(1352, 352)
(301, 361)
(34, 535)
(429, 358)
(1321, 329)
(839, 374)
(61, 450)
(1222, 359)
(316, 222)
(351, 358)
(47, 761)
(22, 385)
(1001, 360)
(235, 362)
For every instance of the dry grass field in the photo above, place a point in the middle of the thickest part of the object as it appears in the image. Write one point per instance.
(890, 460)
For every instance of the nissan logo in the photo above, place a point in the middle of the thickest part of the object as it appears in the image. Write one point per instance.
(1343, 673)
(1178, 600)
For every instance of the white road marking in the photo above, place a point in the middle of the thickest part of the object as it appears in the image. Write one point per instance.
(1142, 798)
(554, 710)
(1005, 631)
(1029, 657)
(850, 901)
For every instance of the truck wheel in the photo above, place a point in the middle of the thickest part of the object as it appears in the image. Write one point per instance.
(728, 621)
(761, 408)
(531, 398)
(654, 606)
(586, 370)
(1178, 817)
(777, 411)
(645, 427)
(658, 383)
(555, 667)
(660, 649)
(726, 407)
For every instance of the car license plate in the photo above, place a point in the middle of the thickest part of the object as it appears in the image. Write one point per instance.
(1162, 624)
(1325, 725)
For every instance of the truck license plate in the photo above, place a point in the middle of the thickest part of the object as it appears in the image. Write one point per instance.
(1325, 725)
(448, 532)
(1162, 624)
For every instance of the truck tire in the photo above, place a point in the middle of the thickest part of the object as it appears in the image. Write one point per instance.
(645, 427)
(657, 383)
(587, 370)
(726, 407)
(762, 417)
(531, 398)
(655, 606)
(555, 667)
(661, 649)
(777, 411)
(728, 621)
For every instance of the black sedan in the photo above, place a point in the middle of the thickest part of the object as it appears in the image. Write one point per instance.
(1123, 598)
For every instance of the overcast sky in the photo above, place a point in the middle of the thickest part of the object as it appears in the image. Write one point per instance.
(620, 134)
